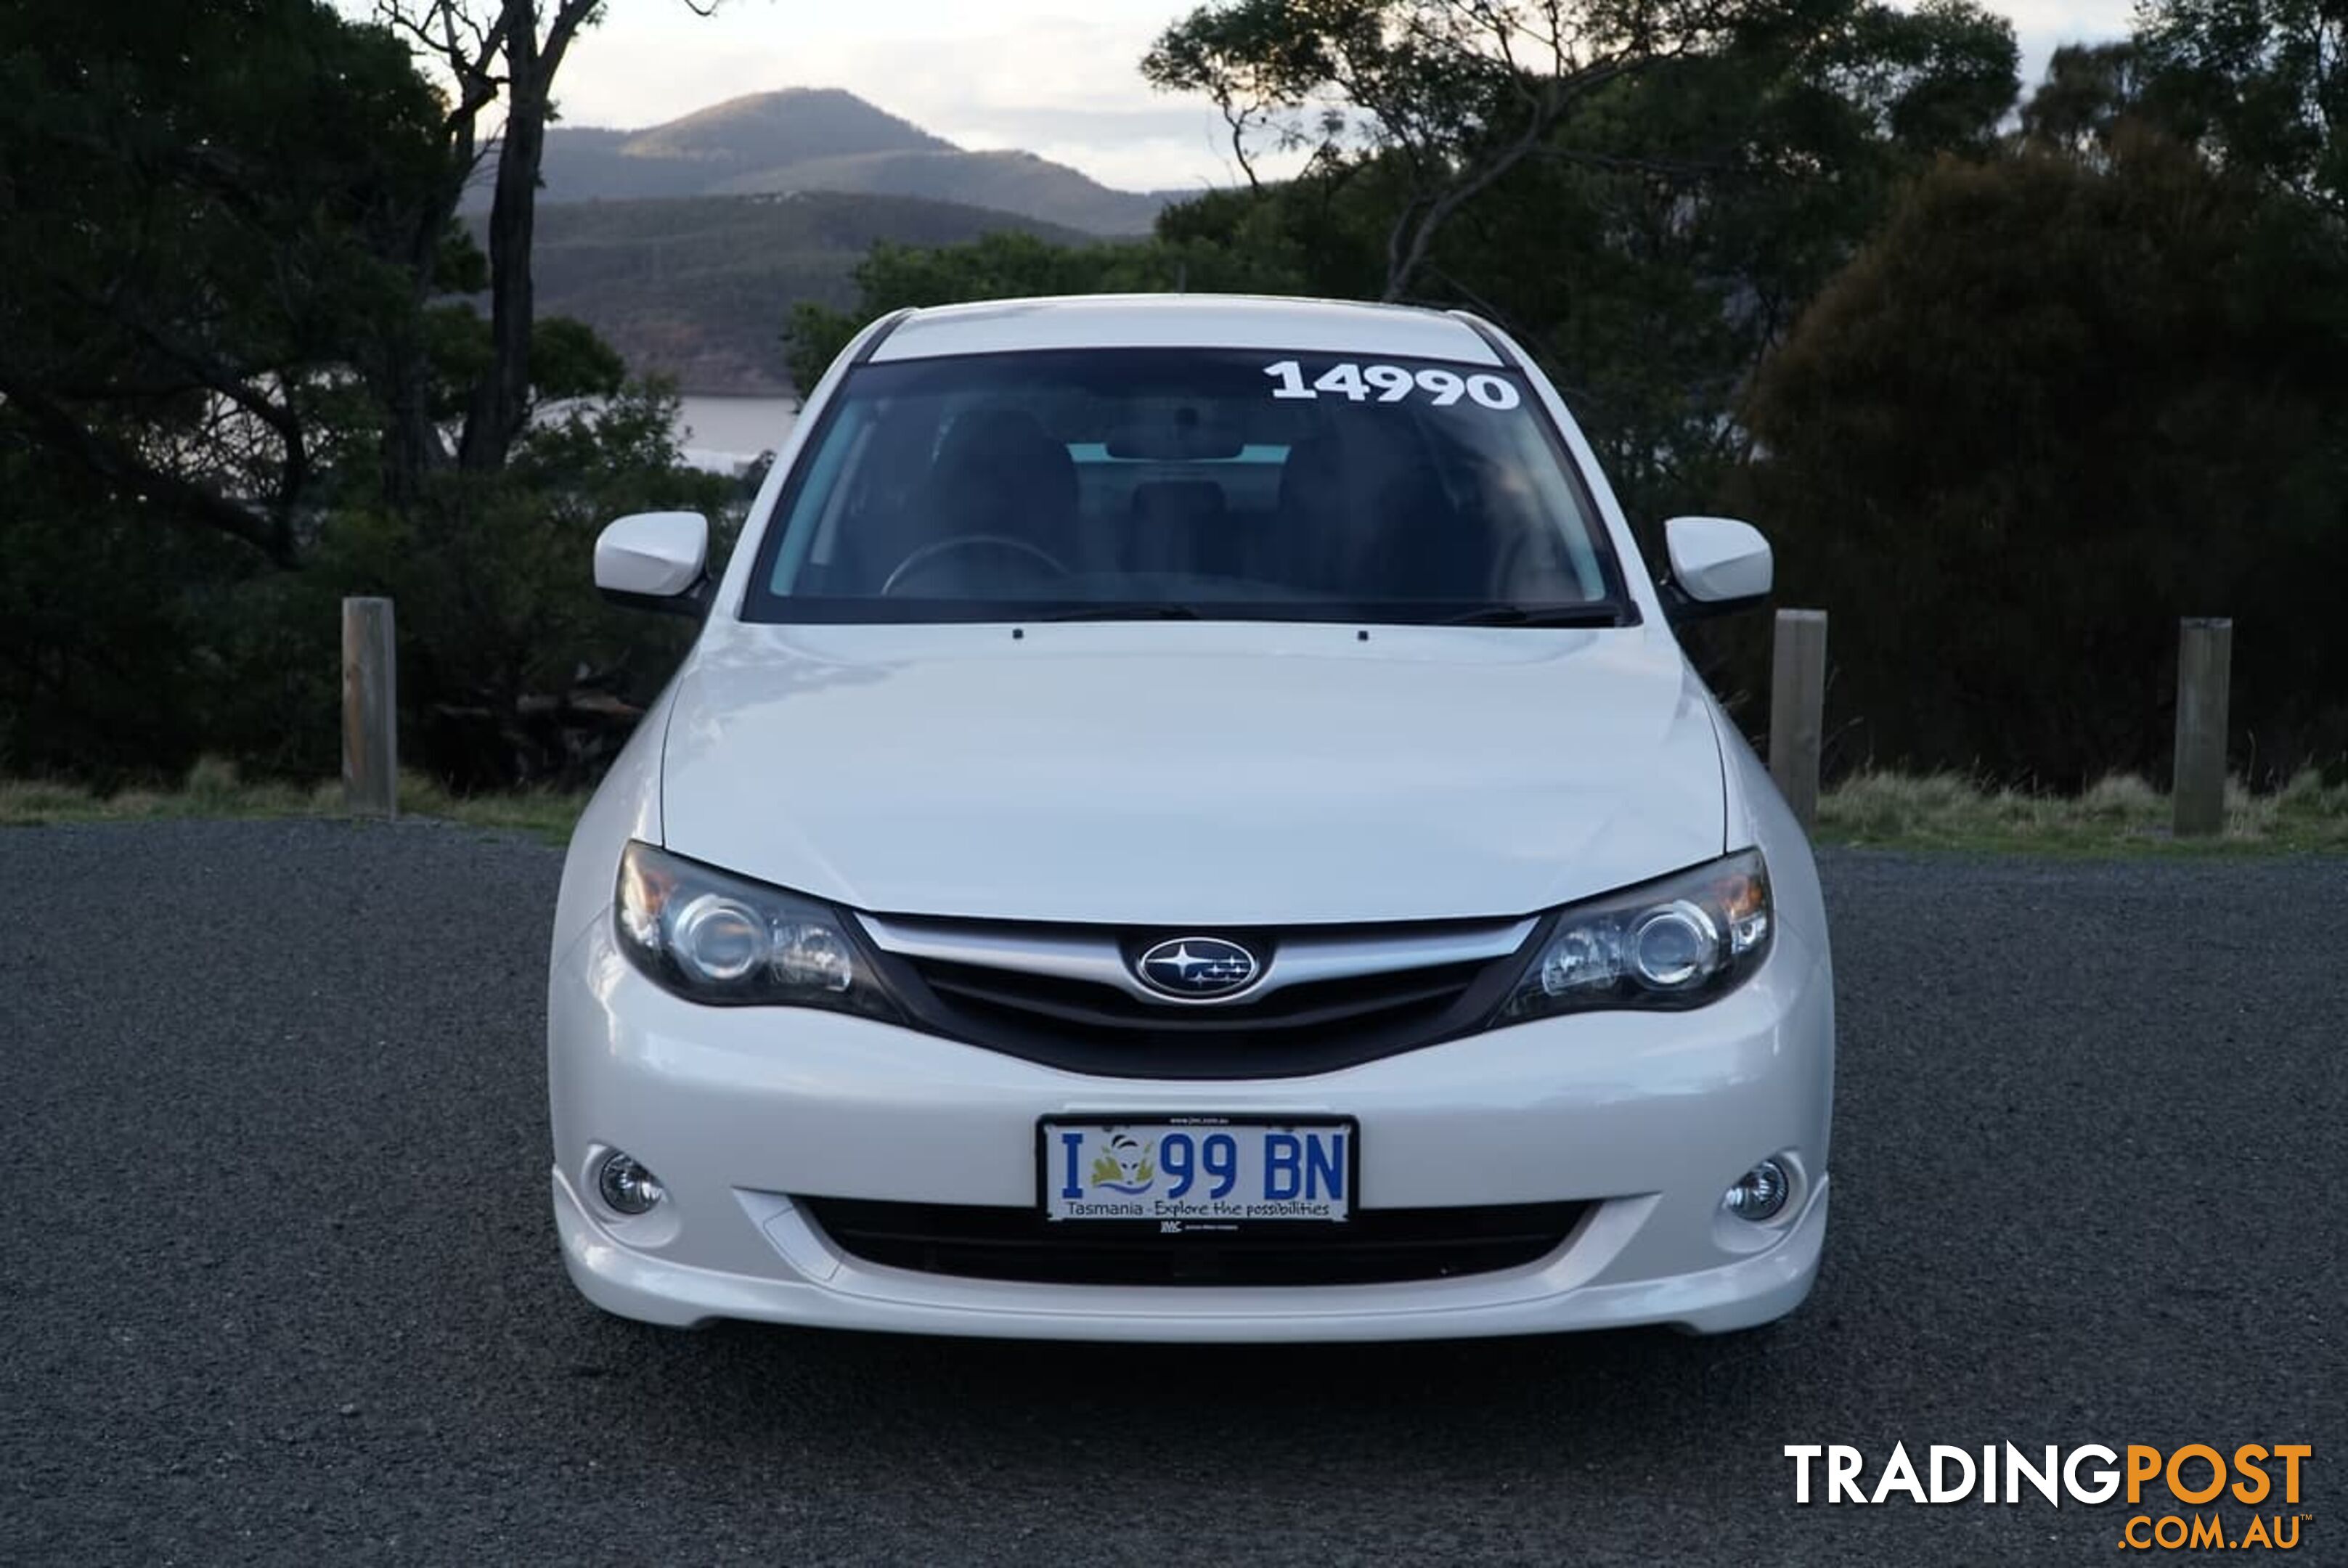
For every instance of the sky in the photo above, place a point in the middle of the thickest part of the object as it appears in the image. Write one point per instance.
(1057, 77)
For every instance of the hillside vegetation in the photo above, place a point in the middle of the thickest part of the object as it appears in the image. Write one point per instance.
(699, 288)
(1005, 179)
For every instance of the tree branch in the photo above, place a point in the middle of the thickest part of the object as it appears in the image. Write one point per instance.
(1239, 149)
(118, 463)
(569, 18)
(202, 370)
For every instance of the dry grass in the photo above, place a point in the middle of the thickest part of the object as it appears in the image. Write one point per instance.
(214, 789)
(2122, 815)
(2117, 816)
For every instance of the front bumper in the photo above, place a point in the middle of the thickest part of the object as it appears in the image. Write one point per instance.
(1648, 1117)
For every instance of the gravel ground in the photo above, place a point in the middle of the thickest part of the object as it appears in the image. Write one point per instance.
(280, 1284)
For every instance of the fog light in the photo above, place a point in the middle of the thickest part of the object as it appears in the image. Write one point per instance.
(1759, 1192)
(626, 1186)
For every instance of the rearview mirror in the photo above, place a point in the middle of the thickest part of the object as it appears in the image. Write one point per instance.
(1183, 439)
(1717, 565)
(655, 560)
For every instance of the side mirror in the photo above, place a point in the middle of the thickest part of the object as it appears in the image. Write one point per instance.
(1718, 565)
(656, 560)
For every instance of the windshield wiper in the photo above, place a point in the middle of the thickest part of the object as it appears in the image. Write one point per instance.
(1166, 611)
(1600, 614)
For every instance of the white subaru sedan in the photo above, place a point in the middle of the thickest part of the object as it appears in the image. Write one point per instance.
(1186, 820)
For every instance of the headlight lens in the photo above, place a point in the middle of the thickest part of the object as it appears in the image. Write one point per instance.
(1676, 943)
(712, 937)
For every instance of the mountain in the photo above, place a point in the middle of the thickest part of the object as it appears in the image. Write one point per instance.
(823, 139)
(699, 287)
(765, 129)
(1017, 183)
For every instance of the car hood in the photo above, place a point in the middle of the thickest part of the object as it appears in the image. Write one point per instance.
(1172, 774)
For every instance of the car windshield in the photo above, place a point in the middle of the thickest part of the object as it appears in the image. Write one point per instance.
(1106, 483)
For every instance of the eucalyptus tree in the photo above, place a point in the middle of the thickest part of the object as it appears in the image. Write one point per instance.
(1447, 96)
(2260, 84)
(201, 226)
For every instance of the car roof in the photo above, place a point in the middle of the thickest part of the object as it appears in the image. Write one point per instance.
(1186, 321)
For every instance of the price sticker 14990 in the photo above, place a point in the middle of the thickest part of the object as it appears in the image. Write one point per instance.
(1391, 384)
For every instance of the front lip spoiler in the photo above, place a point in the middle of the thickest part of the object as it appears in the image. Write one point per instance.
(815, 1285)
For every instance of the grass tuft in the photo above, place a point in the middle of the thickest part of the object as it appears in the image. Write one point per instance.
(213, 782)
(2119, 814)
(2121, 797)
(549, 813)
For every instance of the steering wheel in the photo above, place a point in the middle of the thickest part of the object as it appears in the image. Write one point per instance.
(936, 548)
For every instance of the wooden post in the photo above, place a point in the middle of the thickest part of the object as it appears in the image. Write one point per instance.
(370, 710)
(1798, 702)
(2205, 659)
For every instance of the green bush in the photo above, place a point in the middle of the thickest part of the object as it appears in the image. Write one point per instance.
(2057, 404)
(129, 649)
(513, 670)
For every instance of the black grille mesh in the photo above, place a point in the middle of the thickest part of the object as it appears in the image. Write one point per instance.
(1375, 1246)
(1087, 1026)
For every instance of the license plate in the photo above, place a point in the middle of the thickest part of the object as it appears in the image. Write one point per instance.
(1208, 1173)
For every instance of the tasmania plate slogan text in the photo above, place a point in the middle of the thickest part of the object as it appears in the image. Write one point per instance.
(1203, 1169)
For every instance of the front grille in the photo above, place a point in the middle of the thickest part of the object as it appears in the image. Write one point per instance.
(1377, 1246)
(1300, 1015)
(1084, 1025)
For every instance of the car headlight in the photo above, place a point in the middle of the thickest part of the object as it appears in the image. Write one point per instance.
(711, 937)
(1675, 943)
